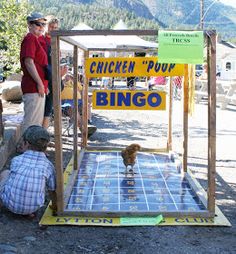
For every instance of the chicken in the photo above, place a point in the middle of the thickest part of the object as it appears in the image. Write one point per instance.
(129, 155)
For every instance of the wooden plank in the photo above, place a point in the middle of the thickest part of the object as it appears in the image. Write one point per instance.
(104, 32)
(169, 141)
(75, 108)
(148, 32)
(185, 119)
(200, 214)
(103, 148)
(197, 188)
(109, 148)
(85, 107)
(56, 85)
(211, 58)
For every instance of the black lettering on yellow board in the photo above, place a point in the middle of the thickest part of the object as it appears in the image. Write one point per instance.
(110, 220)
(84, 220)
(130, 67)
(194, 220)
(183, 220)
(129, 100)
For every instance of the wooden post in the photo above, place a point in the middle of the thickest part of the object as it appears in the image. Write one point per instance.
(211, 60)
(56, 85)
(75, 109)
(185, 119)
(169, 142)
(85, 106)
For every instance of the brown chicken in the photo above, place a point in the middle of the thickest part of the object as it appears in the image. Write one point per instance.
(129, 155)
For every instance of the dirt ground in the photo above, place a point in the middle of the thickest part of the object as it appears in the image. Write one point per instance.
(115, 128)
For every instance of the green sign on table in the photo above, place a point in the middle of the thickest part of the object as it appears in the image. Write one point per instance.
(183, 47)
(142, 221)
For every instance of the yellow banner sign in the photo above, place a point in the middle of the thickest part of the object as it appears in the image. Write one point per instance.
(129, 100)
(49, 219)
(130, 67)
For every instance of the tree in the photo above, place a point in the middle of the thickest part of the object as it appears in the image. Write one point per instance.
(13, 27)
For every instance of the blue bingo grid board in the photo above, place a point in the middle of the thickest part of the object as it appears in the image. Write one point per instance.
(156, 185)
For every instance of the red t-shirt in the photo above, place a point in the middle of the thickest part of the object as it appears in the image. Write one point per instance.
(30, 47)
(45, 42)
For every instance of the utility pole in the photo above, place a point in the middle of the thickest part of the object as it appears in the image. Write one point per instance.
(204, 13)
(201, 14)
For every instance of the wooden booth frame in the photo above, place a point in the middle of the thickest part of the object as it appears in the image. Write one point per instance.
(67, 36)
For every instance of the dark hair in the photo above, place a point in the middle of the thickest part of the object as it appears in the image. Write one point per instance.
(40, 146)
(37, 137)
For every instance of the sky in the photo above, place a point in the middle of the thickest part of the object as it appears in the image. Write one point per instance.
(229, 2)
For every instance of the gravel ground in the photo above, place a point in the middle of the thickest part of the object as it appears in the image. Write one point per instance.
(149, 129)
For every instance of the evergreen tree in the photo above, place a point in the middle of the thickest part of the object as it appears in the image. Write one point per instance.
(13, 27)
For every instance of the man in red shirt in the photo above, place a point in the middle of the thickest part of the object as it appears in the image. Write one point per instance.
(45, 41)
(34, 61)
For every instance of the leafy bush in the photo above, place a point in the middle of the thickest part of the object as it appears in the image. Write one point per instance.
(13, 27)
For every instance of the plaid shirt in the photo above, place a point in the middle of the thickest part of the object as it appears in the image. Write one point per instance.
(30, 174)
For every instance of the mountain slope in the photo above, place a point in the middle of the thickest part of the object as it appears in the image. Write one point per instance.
(102, 15)
(136, 6)
(188, 11)
(172, 14)
(180, 14)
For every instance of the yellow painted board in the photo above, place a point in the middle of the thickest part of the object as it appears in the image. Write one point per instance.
(130, 67)
(49, 219)
(68, 172)
(129, 100)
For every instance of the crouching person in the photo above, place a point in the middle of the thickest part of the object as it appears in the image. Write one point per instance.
(23, 187)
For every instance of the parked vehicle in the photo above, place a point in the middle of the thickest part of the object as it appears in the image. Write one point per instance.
(198, 70)
(2, 78)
